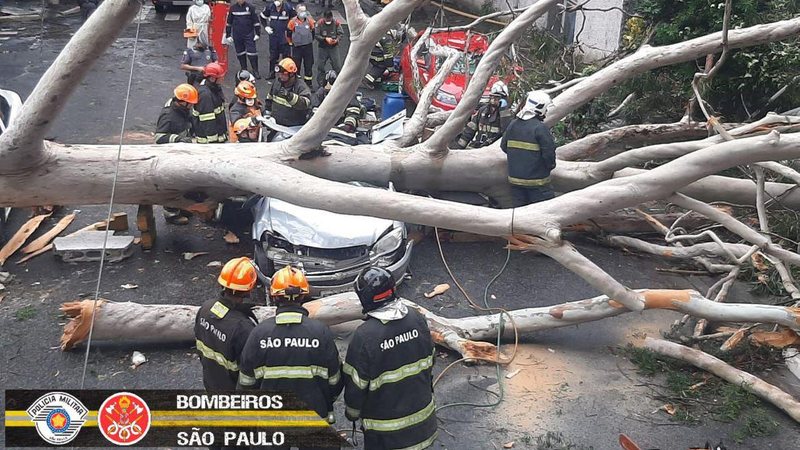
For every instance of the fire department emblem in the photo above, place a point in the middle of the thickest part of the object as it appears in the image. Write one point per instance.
(124, 418)
(58, 417)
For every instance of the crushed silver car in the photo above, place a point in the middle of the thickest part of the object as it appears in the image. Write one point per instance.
(332, 248)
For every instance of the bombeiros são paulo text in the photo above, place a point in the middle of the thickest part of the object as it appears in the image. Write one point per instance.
(229, 401)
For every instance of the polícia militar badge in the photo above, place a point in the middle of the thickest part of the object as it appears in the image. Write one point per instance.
(58, 417)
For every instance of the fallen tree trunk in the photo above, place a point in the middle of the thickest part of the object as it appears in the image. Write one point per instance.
(133, 322)
(709, 363)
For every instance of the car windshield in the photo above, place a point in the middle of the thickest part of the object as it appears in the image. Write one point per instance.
(473, 58)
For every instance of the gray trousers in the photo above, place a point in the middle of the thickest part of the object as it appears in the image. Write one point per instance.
(325, 54)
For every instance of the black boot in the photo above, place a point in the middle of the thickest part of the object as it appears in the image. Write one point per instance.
(242, 61)
(254, 63)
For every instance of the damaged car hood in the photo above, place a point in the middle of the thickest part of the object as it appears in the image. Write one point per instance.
(316, 228)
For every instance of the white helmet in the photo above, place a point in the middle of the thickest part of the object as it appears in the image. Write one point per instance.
(537, 103)
(499, 88)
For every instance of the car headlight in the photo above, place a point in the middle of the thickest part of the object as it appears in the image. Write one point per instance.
(446, 98)
(388, 243)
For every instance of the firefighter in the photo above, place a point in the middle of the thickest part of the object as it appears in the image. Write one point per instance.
(247, 129)
(380, 59)
(223, 325)
(489, 122)
(174, 123)
(292, 352)
(300, 35)
(244, 24)
(328, 33)
(289, 98)
(246, 103)
(387, 371)
(194, 60)
(210, 123)
(275, 18)
(197, 18)
(354, 111)
(245, 75)
(531, 152)
(88, 7)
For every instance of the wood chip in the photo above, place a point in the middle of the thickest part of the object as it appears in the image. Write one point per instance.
(188, 256)
(214, 264)
(513, 373)
(669, 408)
(778, 339)
(45, 239)
(509, 444)
(129, 286)
(20, 237)
(231, 238)
(437, 290)
(733, 341)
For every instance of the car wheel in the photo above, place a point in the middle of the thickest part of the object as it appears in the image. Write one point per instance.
(265, 266)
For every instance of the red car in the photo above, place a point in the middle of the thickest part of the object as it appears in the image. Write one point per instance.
(448, 96)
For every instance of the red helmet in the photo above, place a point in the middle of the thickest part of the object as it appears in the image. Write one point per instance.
(213, 70)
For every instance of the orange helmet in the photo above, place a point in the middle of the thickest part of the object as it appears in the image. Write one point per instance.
(238, 274)
(187, 93)
(245, 89)
(213, 70)
(242, 125)
(289, 284)
(286, 65)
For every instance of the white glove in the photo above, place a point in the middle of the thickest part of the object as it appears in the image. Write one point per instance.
(227, 40)
(269, 30)
(256, 37)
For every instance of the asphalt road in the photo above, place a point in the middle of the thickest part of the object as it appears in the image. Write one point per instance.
(570, 380)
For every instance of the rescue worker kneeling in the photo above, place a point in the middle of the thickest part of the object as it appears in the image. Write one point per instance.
(388, 369)
(246, 103)
(293, 352)
(247, 129)
(223, 325)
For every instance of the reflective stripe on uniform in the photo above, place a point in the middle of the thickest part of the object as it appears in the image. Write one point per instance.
(217, 357)
(240, 13)
(211, 139)
(424, 444)
(219, 310)
(533, 182)
(522, 145)
(288, 317)
(352, 412)
(206, 117)
(353, 374)
(281, 101)
(246, 380)
(334, 380)
(471, 125)
(306, 372)
(400, 423)
(393, 376)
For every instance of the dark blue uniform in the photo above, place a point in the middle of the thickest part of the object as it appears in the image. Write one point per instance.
(243, 26)
(278, 20)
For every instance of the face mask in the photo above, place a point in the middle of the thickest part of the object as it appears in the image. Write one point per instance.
(249, 101)
(277, 4)
(302, 15)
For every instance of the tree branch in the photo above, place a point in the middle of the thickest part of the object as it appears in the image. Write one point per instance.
(647, 58)
(486, 67)
(21, 146)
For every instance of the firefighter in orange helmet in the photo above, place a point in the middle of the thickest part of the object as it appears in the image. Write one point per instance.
(289, 98)
(291, 351)
(223, 325)
(246, 103)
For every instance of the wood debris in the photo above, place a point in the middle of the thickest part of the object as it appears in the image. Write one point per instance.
(231, 238)
(45, 239)
(437, 290)
(20, 237)
(188, 256)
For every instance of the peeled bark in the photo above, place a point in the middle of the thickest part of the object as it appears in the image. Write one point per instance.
(709, 363)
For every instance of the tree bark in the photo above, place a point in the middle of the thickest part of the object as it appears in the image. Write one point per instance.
(709, 363)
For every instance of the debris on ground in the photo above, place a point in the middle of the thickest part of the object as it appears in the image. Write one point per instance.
(88, 246)
(5, 277)
(137, 359)
(669, 408)
(45, 239)
(188, 256)
(231, 238)
(513, 373)
(214, 264)
(129, 286)
(509, 444)
(437, 290)
(20, 237)
(2, 287)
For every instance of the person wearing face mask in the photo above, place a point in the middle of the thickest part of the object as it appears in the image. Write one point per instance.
(489, 122)
(300, 34)
(210, 123)
(242, 30)
(354, 112)
(195, 60)
(197, 19)
(289, 98)
(275, 18)
(327, 34)
(246, 104)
